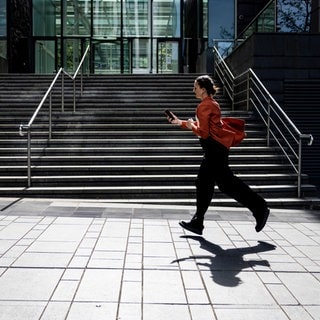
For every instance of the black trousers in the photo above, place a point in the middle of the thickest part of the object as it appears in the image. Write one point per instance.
(215, 169)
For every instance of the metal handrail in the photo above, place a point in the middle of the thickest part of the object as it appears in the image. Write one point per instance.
(247, 90)
(73, 78)
(28, 127)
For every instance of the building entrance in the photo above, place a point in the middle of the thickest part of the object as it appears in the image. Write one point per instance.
(168, 56)
(112, 56)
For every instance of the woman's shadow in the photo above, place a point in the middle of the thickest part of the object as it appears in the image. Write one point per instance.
(226, 264)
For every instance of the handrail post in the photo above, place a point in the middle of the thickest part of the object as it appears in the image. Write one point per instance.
(268, 122)
(299, 167)
(248, 90)
(29, 157)
(81, 82)
(74, 95)
(50, 116)
(62, 91)
(232, 95)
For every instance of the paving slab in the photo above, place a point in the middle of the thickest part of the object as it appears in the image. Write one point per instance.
(75, 259)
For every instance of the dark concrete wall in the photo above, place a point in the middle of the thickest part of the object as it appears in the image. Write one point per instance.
(281, 59)
(278, 57)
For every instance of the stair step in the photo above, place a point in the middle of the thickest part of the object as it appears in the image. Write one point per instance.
(119, 146)
(136, 150)
(256, 167)
(137, 192)
(186, 180)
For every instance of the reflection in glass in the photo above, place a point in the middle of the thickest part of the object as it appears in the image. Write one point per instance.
(108, 55)
(168, 57)
(140, 56)
(44, 56)
(221, 24)
(136, 18)
(3, 18)
(44, 18)
(166, 18)
(77, 17)
(107, 18)
(3, 56)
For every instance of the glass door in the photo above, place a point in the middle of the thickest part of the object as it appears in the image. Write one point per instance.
(45, 55)
(168, 56)
(112, 56)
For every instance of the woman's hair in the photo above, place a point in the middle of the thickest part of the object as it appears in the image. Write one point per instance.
(207, 83)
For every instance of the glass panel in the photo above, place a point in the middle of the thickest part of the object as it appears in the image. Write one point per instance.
(136, 17)
(166, 18)
(141, 56)
(77, 17)
(44, 18)
(221, 24)
(3, 57)
(3, 18)
(265, 22)
(107, 57)
(294, 16)
(126, 56)
(107, 18)
(3, 33)
(44, 56)
(205, 19)
(221, 30)
(72, 54)
(168, 57)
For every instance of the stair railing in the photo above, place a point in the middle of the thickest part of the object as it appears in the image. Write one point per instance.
(48, 95)
(247, 91)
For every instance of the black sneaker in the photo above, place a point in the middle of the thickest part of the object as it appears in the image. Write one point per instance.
(261, 219)
(193, 226)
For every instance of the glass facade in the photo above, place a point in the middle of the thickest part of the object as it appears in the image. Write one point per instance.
(125, 36)
(133, 36)
(294, 16)
(44, 31)
(266, 21)
(221, 24)
(3, 36)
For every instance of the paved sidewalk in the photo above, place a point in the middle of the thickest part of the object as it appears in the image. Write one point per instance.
(83, 260)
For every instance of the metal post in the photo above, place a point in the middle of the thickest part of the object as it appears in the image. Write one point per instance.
(62, 91)
(248, 91)
(268, 123)
(50, 116)
(299, 167)
(232, 95)
(74, 95)
(29, 157)
(81, 84)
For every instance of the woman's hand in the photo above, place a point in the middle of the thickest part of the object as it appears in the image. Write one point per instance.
(175, 120)
(190, 123)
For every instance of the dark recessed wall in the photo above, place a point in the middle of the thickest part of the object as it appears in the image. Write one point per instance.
(276, 57)
(19, 36)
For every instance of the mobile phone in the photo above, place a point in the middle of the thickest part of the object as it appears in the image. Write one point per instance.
(169, 114)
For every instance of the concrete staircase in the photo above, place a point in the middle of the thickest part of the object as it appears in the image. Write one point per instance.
(118, 145)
